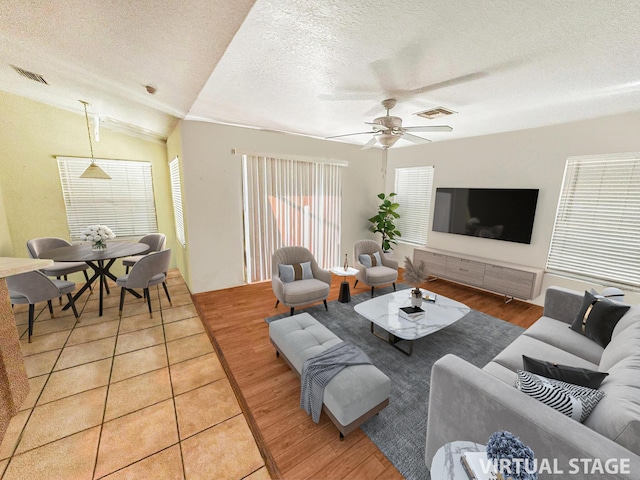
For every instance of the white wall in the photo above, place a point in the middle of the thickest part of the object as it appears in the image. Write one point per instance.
(532, 158)
(213, 194)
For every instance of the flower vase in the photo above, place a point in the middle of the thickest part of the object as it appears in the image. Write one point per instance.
(98, 247)
(416, 298)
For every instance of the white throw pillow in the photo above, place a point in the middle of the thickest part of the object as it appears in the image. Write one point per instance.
(370, 259)
(297, 271)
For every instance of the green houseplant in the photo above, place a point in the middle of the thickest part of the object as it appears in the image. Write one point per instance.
(383, 221)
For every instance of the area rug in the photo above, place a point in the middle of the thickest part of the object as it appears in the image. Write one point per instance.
(399, 431)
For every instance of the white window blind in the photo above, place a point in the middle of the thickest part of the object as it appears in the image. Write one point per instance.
(597, 228)
(289, 203)
(125, 203)
(176, 195)
(413, 192)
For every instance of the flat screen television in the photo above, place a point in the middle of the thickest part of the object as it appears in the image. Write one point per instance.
(498, 213)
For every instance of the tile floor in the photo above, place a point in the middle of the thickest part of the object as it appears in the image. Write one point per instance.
(135, 398)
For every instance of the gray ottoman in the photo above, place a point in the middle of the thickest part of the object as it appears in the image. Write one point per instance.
(355, 394)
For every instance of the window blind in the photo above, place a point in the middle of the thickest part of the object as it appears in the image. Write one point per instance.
(287, 203)
(176, 195)
(125, 203)
(413, 189)
(597, 229)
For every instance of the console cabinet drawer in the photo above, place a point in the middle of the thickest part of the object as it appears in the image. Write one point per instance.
(515, 283)
(465, 271)
(435, 262)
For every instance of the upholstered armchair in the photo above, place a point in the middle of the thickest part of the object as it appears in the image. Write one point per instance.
(297, 279)
(374, 269)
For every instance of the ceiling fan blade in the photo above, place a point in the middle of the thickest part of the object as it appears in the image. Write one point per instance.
(415, 139)
(349, 134)
(426, 128)
(369, 144)
(377, 127)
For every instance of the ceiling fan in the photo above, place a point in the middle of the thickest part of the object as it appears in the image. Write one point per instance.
(388, 129)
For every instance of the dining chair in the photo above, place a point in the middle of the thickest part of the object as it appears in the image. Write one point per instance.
(150, 270)
(156, 242)
(60, 270)
(34, 287)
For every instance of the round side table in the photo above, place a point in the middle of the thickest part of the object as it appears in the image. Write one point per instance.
(446, 463)
(345, 292)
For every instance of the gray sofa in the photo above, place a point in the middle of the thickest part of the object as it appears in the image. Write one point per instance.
(468, 403)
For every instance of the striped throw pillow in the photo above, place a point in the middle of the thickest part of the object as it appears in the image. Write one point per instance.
(370, 259)
(297, 271)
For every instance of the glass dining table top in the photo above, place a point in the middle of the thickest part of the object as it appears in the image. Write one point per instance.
(82, 252)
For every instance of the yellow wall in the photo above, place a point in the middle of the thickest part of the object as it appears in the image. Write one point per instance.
(31, 135)
(180, 253)
(6, 247)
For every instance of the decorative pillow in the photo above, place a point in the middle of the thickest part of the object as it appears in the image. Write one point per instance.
(297, 271)
(565, 373)
(597, 318)
(573, 401)
(370, 259)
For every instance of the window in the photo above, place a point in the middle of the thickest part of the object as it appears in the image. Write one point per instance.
(596, 234)
(176, 195)
(125, 203)
(290, 202)
(413, 188)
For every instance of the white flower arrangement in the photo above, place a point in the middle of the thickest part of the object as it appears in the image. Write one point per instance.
(98, 235)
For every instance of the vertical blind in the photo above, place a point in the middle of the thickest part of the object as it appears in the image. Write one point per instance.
(413, 188)
(597, 228)
(125, 203)
(290, 203)
(176, 195)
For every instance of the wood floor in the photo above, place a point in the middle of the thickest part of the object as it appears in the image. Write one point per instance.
(293, 446)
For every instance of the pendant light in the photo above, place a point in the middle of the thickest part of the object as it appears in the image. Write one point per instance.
(93, 170)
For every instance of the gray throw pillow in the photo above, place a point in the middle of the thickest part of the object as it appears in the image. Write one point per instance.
(577, 376)
(297, 271)
(597, 318)
(370, 259)
(573, 401)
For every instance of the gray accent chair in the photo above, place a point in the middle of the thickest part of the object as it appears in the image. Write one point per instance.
(60, 270)
(378, 275)
(34, 287)
(156, 242)
(150, 270)
(299, 292)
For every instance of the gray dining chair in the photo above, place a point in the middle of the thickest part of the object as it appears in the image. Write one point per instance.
(35, 287)
(60, 270)
(150, 270)
(156, 242)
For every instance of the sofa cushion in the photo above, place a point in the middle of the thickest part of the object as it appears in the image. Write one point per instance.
(511, 357)
(574, 401)
(370, 259)
(597, 318)
(631, 317)
(617, 416)
(566, 373)
(558, 334)
(302, 292)
(380, 275)
(297, 271)
(621, 347)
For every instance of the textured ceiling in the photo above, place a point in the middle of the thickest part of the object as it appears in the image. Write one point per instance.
(321, 67)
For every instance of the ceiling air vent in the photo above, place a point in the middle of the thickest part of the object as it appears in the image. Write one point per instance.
(30, 75)
(435, 113)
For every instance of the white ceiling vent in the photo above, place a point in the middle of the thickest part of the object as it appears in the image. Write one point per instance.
(435, 113)
(30, 75)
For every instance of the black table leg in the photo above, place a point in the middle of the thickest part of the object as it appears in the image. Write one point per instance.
(345, 293)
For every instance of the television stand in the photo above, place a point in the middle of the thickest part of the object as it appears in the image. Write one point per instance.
(509, 279)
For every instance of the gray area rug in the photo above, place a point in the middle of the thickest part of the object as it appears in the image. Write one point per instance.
(399, 430)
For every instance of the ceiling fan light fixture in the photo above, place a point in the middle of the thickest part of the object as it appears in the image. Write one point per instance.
(387, 140)
(93, 170)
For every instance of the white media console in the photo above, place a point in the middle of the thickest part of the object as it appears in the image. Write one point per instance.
(509, 279)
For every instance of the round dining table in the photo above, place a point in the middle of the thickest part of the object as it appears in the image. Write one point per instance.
(100, 261)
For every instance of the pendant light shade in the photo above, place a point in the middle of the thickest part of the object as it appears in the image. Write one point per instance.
(93, 170)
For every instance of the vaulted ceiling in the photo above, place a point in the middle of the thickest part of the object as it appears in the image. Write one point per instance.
(322, 67)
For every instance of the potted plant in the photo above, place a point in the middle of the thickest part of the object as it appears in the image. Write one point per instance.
(383, 221)
(415, 275)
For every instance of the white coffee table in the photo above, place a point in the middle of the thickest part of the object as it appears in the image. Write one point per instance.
(383, 311)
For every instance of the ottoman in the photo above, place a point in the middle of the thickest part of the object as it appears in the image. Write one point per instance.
(351, 397)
